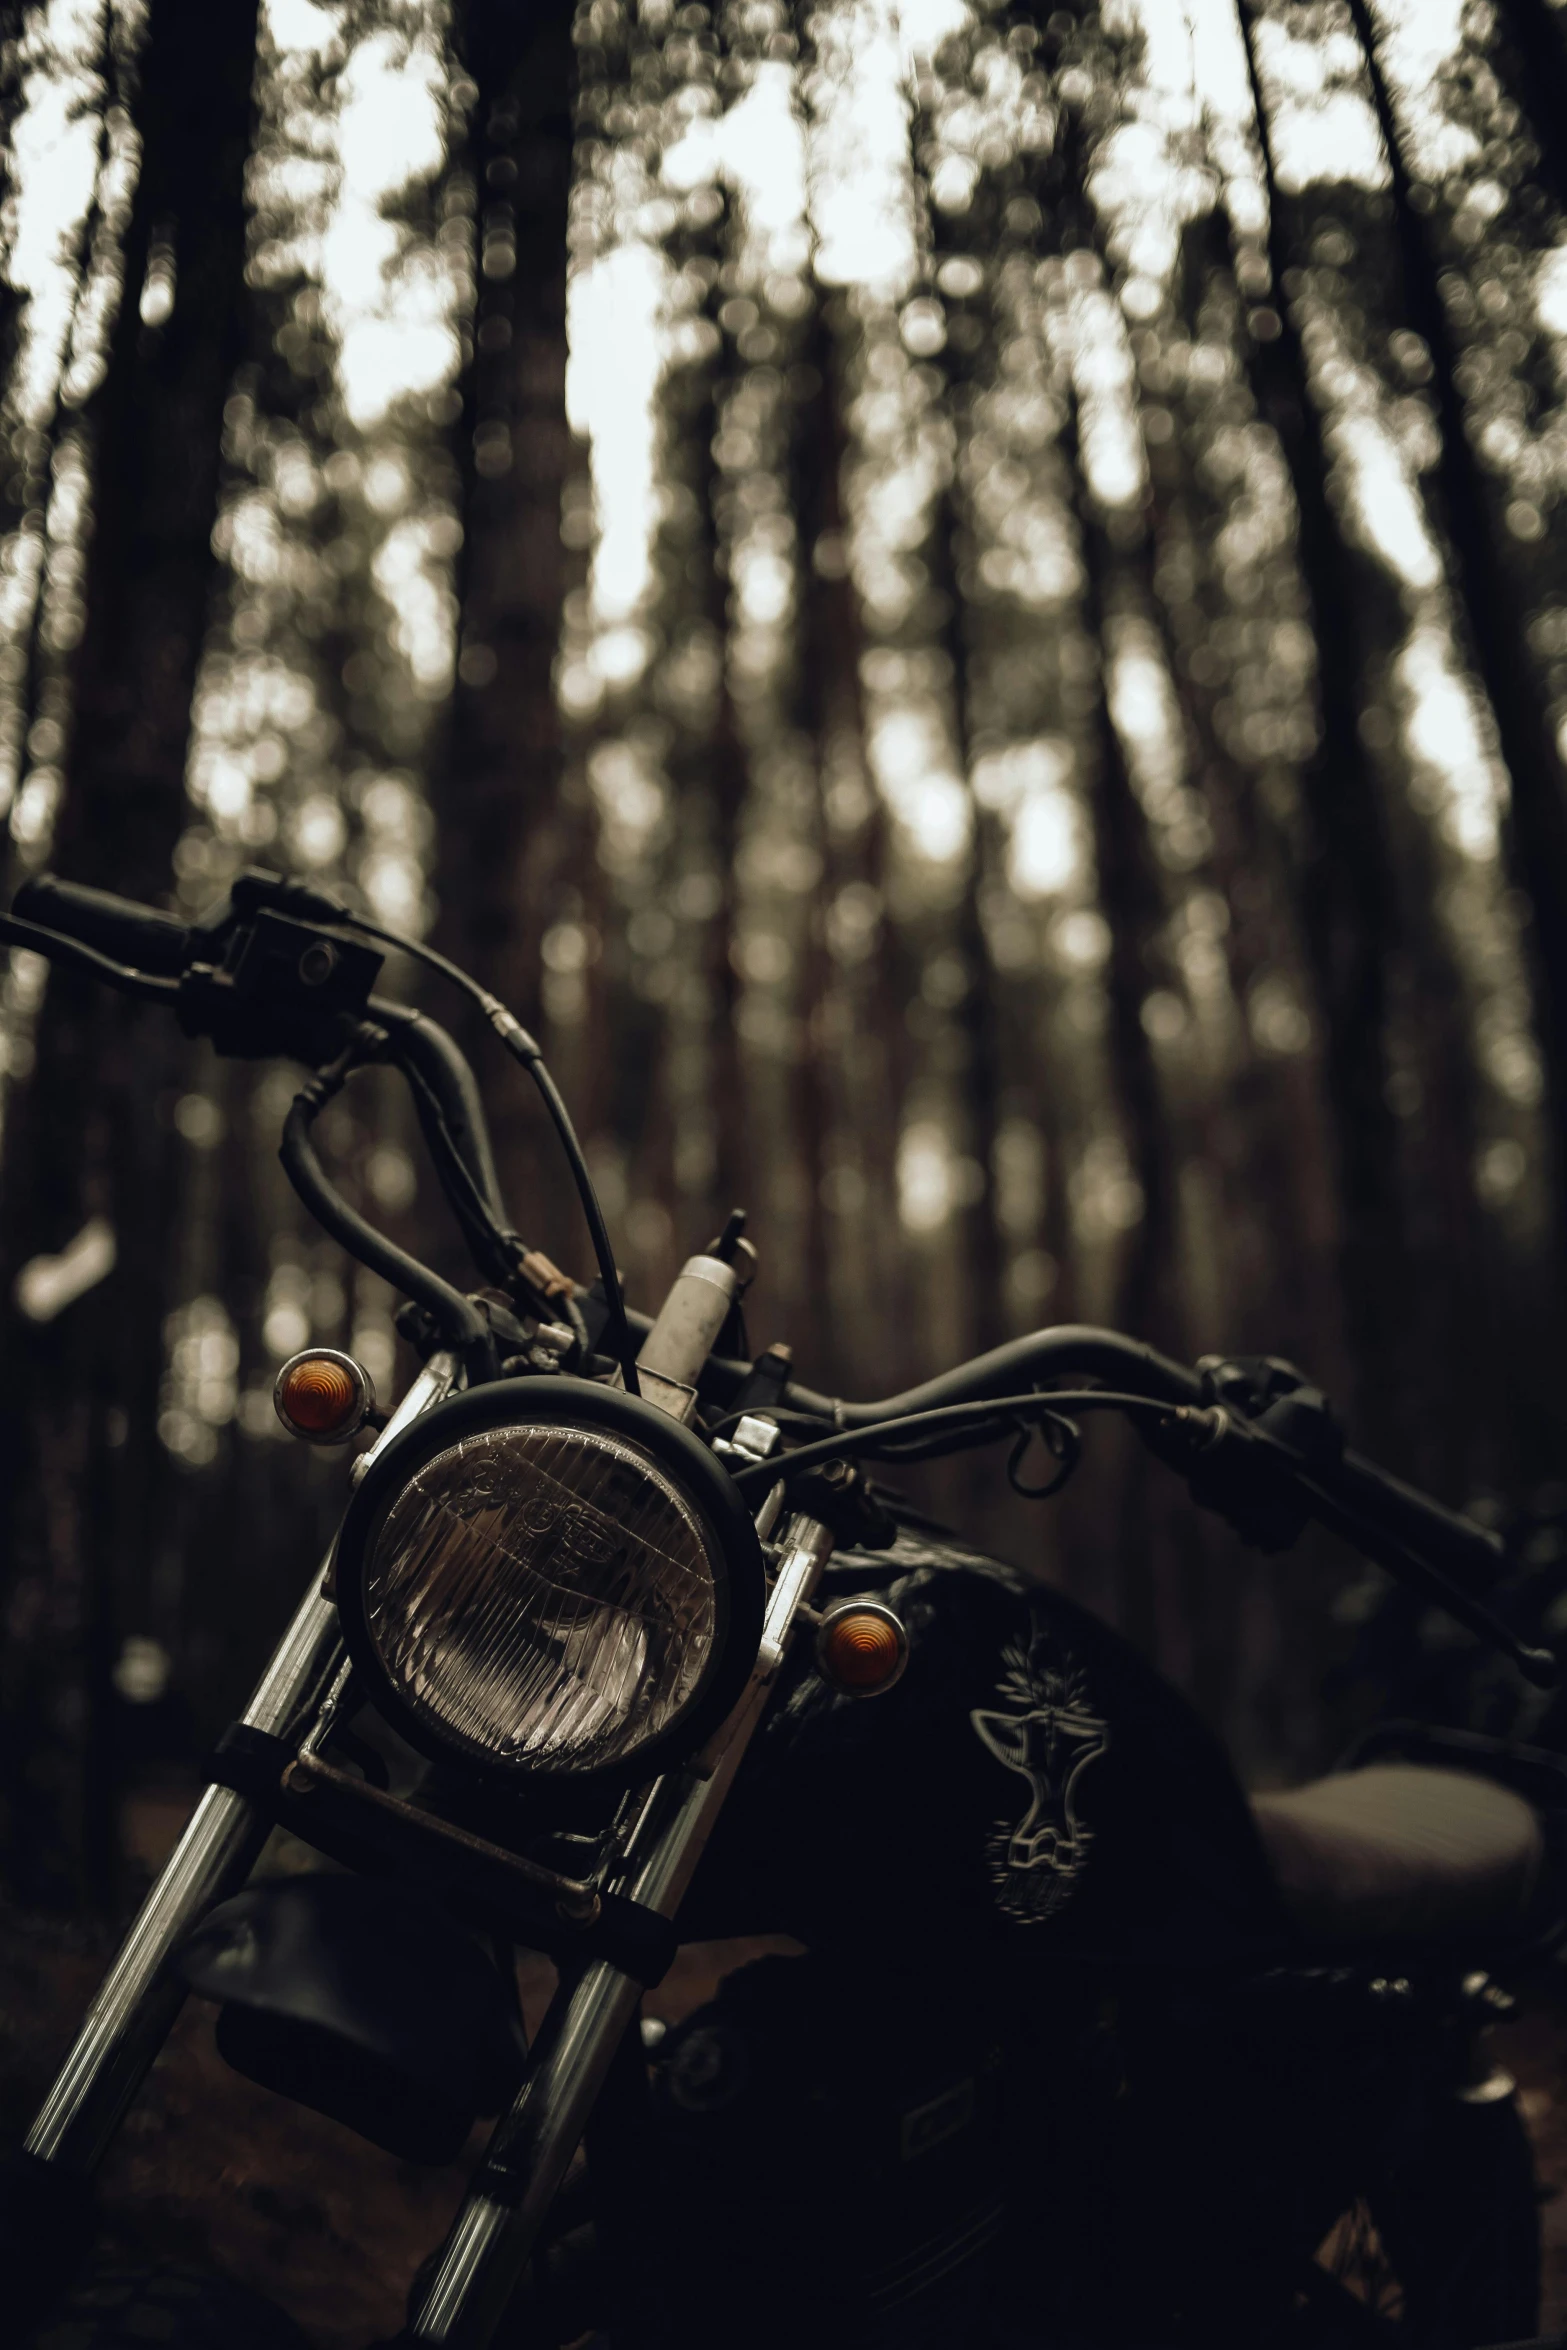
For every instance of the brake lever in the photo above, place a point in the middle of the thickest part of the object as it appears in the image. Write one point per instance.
(1260, 1484)
(1537, 1665)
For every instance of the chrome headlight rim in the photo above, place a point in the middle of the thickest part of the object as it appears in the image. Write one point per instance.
(563, 1403)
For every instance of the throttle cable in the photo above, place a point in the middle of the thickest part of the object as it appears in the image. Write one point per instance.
(873, 1441)
(526, 1050)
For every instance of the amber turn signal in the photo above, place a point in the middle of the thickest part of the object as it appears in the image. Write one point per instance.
(323, 1396)
(861, 1647)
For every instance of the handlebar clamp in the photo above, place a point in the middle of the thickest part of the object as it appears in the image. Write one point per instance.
(1251, 1484)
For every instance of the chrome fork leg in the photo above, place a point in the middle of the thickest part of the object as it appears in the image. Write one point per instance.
(484, 2256)
(140, 1997)
(134, 2010)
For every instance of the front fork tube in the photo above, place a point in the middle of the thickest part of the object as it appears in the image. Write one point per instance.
(487, 2250)
(141, 1995)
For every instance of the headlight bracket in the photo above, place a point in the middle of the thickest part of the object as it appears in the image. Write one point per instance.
(375, 1833)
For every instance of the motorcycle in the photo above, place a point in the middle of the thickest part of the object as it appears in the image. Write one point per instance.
(618, 1646)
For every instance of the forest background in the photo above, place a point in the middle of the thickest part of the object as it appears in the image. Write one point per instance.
(966, 609)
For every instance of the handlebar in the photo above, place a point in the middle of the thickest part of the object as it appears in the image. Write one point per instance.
(284, 970)
(1433, 1549)
(1451, 1542)
(135, 935)
(273, 973)
(1267, 1458)
(1262, 1450)
(1355, 1485)
(1075, 1348)
(147, 953)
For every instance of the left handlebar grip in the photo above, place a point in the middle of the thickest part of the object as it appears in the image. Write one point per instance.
(117, 927)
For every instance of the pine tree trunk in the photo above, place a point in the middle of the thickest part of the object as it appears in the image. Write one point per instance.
(1348, 893)
(1129, 899)
(1534, 29)
(158, 434)
(977, 1012)
(497, 792)
(1494, 617)
(719, 779)
(863, 1069)
(93, 1137)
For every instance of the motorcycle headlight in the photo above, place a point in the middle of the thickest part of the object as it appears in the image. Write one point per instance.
(548, 1577)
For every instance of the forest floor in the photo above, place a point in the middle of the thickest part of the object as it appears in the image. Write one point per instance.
(213, 2172)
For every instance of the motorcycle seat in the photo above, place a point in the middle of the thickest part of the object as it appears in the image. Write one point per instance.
(1397, 1853)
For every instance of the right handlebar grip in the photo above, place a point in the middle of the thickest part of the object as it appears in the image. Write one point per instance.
(1452, 1543)
(137, 935)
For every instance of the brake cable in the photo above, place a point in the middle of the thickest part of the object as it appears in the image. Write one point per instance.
(483, 1230)
(1537, 1665)
(526, 1050)
(468, 1331)
(873, 1440)
(472, 1209)
(1062, 1439)
(60, 947)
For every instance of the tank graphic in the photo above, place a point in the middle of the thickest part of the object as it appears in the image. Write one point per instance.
(1029, 1770)
(1045, 1729)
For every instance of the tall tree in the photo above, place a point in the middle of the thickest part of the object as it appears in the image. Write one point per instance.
(1494, 618)
(1534, 30)
(181, 331)
(498, 788)
(1349, 898)
(93, 1139)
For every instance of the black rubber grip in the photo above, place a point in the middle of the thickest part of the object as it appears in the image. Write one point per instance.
(1459, 1547)
(117, 927)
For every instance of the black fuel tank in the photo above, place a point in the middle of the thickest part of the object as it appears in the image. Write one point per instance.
(1030, 1775)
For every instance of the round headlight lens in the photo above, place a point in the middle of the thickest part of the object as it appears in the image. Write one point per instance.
(543, 1596)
